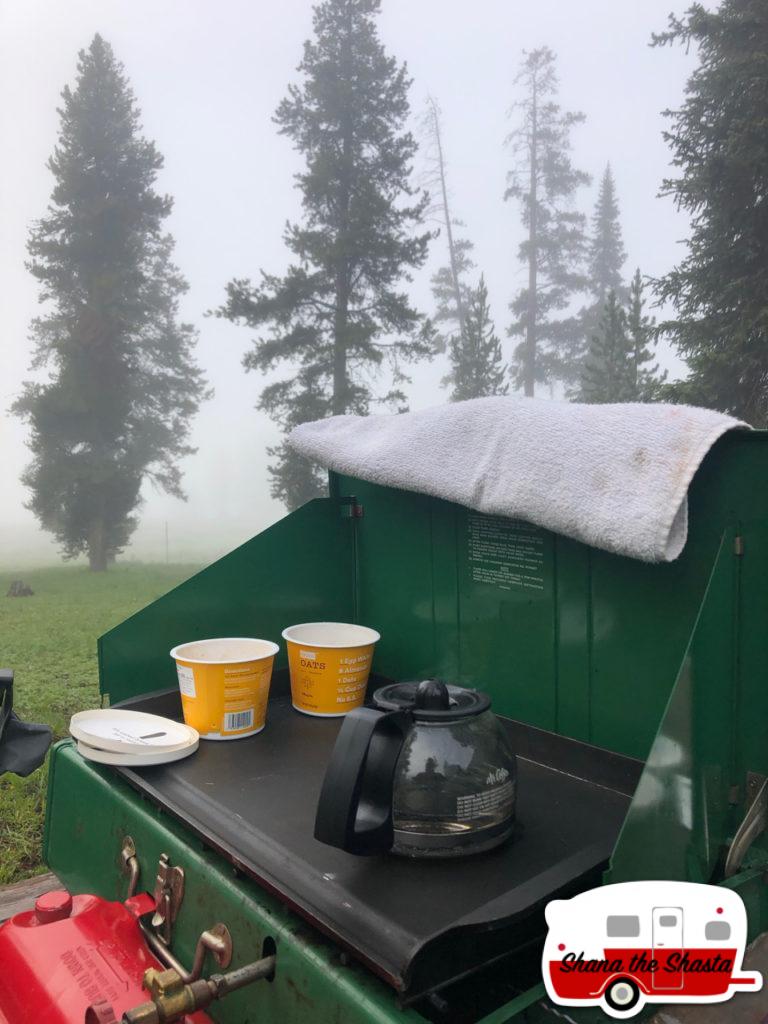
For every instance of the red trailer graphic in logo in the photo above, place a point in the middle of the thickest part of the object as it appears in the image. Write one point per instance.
(622, 946)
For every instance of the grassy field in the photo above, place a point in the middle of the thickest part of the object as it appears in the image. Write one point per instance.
(49, 640)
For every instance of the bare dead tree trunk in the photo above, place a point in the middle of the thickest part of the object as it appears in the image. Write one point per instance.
(341, 316)
(453, 262)
(339, 399)
(529, 362)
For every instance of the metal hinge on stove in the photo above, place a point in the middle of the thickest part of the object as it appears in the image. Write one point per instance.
(169, 888)
(174, 991)
(350, 507)
(157, 928)
(753, 825)
(168, 896)
(129, 864)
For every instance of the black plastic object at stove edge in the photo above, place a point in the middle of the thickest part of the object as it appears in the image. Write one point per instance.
(354, 812)
(23, 745)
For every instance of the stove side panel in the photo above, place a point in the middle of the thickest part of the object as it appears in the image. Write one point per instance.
(299, 570)
(563, 636)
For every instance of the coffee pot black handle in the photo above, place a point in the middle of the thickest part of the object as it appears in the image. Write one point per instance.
(354, 812)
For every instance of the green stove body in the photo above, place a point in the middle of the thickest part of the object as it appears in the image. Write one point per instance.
(644, 685)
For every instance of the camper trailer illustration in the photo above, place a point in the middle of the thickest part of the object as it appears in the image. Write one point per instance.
(625, 945)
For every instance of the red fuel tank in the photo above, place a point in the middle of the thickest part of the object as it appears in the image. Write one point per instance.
(70, 952)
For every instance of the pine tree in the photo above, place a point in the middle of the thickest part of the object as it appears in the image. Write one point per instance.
(544, 181)
(606, 246)
(122, 385)
(644, 377)
(606, 256)
(606, 372)
(449, 284)
(719, 140)
(618, 366)
(477, 369)
(339, 312)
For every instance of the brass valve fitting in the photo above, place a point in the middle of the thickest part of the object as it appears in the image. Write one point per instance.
(171, 999)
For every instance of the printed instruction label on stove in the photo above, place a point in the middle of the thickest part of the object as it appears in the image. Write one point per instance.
(506, 553)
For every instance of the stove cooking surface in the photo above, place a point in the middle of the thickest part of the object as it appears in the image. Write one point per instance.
(417, 923)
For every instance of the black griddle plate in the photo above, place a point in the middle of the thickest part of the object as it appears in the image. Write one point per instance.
(419, 924)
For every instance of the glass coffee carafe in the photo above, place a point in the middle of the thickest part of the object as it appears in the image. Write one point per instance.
(429, 772)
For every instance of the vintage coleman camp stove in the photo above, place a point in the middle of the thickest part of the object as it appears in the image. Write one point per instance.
(633, 696)
(85, 960)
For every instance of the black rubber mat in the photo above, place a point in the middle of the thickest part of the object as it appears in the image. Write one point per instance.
(418, 923)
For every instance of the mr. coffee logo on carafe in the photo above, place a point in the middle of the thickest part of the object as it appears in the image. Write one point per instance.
(497, 799)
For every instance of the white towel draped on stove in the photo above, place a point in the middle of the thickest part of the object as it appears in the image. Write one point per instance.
(613, 476)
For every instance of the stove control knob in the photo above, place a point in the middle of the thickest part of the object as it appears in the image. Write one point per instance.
(53, 906)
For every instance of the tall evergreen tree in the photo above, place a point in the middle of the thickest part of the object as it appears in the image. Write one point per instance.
(544, 181)
(606, 257)
(644, 376)
(450, 280)
(719, 141)
(618, 366)
(606, 245)
(339, 311)
(122, 386)
(606, 371)
(449, 284)
(477, 369)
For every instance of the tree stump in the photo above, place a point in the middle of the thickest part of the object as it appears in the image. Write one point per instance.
(19, 589)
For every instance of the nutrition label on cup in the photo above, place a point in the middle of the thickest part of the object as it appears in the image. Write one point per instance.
(328, 681)
(352, 678)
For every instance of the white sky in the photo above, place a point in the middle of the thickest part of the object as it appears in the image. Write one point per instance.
(208, 77)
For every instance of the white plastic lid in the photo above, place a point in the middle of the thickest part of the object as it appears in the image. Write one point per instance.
(131, 732)
(145, 760)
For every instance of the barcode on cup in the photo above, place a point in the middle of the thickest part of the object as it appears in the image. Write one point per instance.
(238, 720)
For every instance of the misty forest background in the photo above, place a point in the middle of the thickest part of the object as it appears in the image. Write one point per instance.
(115, 383)
(115, 380)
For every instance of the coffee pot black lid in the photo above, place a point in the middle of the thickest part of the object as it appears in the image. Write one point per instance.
(432, 700)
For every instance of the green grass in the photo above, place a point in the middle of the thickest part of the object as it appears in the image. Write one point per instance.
(49, 640)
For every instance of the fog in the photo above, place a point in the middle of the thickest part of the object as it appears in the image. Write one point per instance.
(207, 78)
